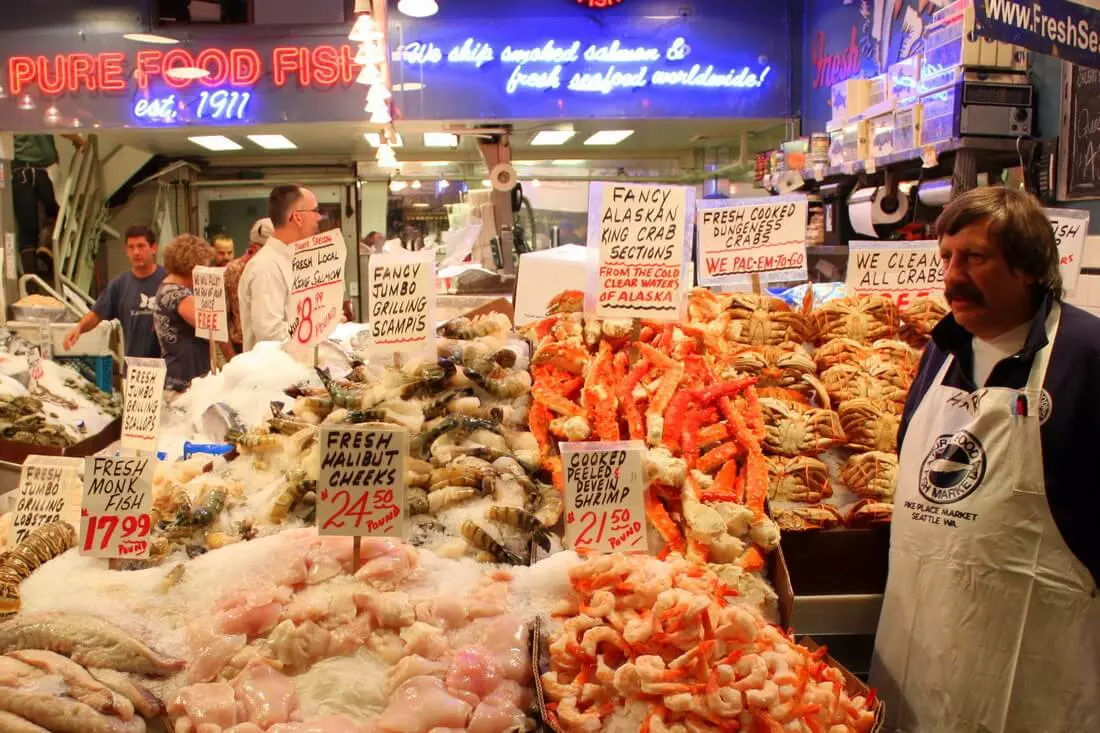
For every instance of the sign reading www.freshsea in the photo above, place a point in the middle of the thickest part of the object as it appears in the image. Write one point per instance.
(1053, 27)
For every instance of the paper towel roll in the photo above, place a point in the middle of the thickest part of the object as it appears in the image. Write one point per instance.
(868, 207)
(935, 193)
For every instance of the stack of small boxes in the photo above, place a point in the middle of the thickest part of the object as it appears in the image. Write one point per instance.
(915, 102)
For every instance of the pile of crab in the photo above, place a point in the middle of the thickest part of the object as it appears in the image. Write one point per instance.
(832, 383)
(666, 646)
(610, 380)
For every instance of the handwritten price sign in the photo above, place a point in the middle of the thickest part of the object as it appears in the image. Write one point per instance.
(317, 288)
(210, 317)
(902, 271)
(402, 303)
(143, 396)
(1071, 226)
(362, 482)
(45, 483)
(604, 496)
(115, 510)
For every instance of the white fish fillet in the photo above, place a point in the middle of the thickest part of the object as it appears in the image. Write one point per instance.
(61, 715)
(82, 686)
(10, 723)
(87, 640)
(145, 702)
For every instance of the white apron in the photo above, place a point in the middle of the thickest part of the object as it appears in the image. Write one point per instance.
(989, 623)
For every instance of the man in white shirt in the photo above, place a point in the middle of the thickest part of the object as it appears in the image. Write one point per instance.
(264, 295)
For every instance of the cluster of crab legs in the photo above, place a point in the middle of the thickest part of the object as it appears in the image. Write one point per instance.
(654, 382)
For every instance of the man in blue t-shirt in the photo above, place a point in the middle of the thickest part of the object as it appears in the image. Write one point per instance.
(129, 297)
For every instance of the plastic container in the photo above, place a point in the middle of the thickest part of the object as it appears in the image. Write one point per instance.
(99, 370)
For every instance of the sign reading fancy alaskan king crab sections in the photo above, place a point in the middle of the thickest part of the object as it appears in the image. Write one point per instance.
(643, 234)
(317, 289)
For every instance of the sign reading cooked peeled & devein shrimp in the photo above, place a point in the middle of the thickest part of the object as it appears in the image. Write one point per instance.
(742, 237)
(643, 233)
(361, 489)
(604, 496)
(44, 484)
(142, 399)
(1071, 226)
(211, 321)
(317, 288)
(902, 271)
(401, 287)
(116, 508)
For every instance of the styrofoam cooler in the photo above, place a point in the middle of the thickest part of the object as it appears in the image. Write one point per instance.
(96, 342)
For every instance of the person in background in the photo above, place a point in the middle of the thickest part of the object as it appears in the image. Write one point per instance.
(186, 356)
(265, 285)
(31, 189)
(991, 617)
(129, 297)
(372, 243)
(223, 250)
(261, 231)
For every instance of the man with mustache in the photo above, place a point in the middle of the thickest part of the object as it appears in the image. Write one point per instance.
(991, 618)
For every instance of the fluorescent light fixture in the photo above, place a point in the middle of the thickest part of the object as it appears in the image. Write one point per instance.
(525, 163)
(26, 103)
(418, 8)
(397, 186)
(415, 185)
(443, 184)
(409, 86)
(568, 162)
(435, 163)
(272, 142)
(217, 143)
(486, 183)
(440, 140)
(374, 139)
(150, 38)
(421, 205)
(552, 137)
(365, 29)
(535, 183)
(187, 73)
(609, 137)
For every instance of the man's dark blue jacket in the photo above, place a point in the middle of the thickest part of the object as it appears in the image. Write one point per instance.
(1071, 433)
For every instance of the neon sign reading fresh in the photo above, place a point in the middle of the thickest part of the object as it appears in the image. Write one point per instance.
(220, 106)
(613, 55)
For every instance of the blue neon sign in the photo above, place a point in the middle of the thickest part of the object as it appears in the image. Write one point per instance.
(219, 105)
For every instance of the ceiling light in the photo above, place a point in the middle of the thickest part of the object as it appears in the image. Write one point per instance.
(187, 73)
(3, 92)
(435, 163)
(380, 117)
(415, 185)
(76, 122)
(365, 29)
(552, 137)
(421, 205)
(52, 115)
(535, 183)
(486, 183)
(525, 162)
(272, 142)
(216, 143)
(409, 86)
(440, 140)
(26, 103)
(609, 137)
(386, 157)
(418, 8)
(443, 184)
(150, 38)
(567, 162)
(370, 53)
(378, 93)
(369, 75)
(374, 139)
(397, 186)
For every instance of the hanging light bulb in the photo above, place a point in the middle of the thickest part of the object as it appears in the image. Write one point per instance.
(3, 92)
(365, 29)
(76, 122)
(369, 75)
(396, 186)
(370, 53)
(386, 157)
(52, 115)
(378, 93)
(26, 103)
(443, 184)
(535, 183)
(381, 117)
(415, 185)
(418, 8)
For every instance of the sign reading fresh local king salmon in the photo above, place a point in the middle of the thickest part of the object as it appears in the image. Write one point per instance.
(743, 237)
(317, 289)
(902, 271)
(643, 234)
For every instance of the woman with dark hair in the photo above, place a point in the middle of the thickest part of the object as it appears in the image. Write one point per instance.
(186, 356)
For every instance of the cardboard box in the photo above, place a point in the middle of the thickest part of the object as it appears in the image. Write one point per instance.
(880, 135)
(849, 98)
(14, 452)
(854, 686)
(907, 126)
(905, 77)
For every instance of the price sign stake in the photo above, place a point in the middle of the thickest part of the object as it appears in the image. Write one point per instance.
(604, 496)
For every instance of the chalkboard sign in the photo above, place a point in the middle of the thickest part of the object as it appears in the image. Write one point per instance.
(1079, 156)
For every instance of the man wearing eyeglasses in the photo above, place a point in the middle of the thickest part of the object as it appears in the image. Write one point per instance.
(264, 295)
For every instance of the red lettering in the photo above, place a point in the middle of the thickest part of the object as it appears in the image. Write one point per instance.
(20, 73)
(111, 72)
(833, 68)
(245, 67)
(349, 70)
(149, 64)
(326, 66)
(81, 72)
(56, 84)
(284, 60)
(177, 58)
(219, 69)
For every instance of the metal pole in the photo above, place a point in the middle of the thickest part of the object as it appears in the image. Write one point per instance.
(7, 226)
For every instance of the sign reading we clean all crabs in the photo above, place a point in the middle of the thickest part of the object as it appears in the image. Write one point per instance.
(643, 235)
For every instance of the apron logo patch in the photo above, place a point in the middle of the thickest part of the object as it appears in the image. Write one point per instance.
(1046, 406)
(953, 469)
